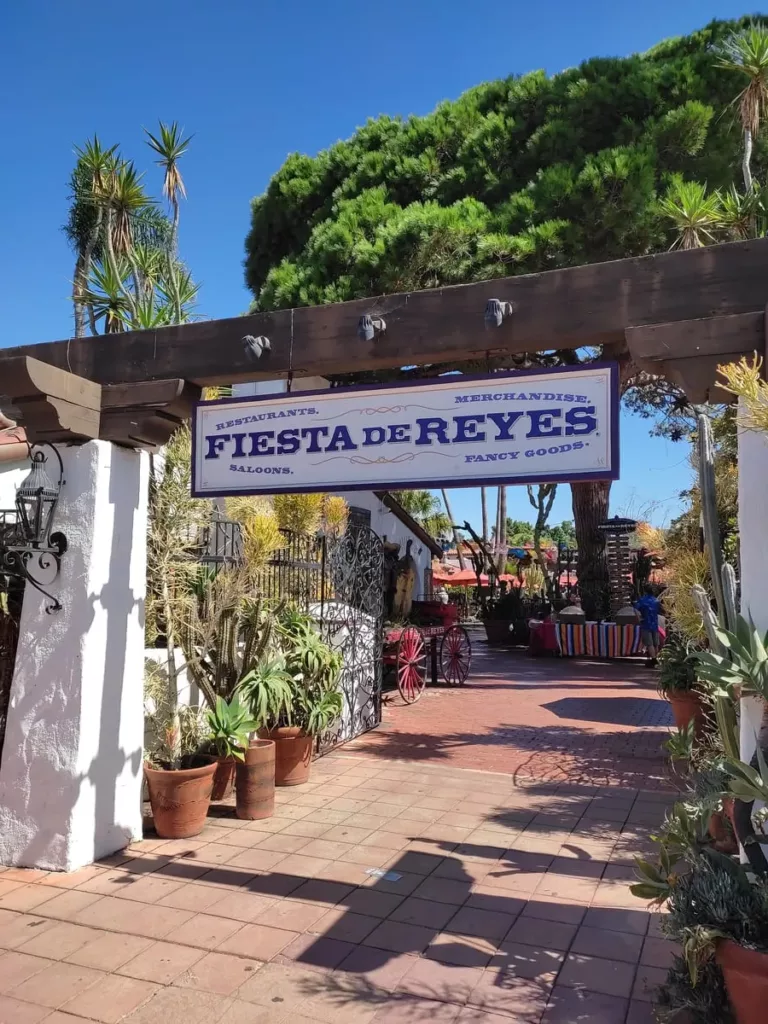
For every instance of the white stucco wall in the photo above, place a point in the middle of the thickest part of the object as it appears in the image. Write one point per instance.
(11, 475)
(753, 499)
(71, 771)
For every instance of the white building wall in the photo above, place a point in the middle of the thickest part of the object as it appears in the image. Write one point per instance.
(11, 475)
(71, 771)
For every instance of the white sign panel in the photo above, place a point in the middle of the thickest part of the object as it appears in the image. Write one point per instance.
(453, 431)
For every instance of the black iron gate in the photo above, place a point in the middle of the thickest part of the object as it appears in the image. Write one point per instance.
(339, 581)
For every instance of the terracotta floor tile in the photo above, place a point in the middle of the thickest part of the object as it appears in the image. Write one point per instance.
(532, 931)
(274, 824)
(640, 1013)
(204, 931)
(257, 859)
(372, 903)
(443, 890)
(346, 874)
(400, 938)
(16, 968)
(109, 951)
(462, 950)
(65, 905)
(634, 922)
(150, 888)
(306, 828)
(301, 867)
(295, 916)
(17, 929)
(572, 1006)
(321, 892)
(258, 942)
(13, 1011)
(446, 983)
(58, 942)
(658, 952)
(368, 856)
(316, 951)
(384, 840)
(70, 879)
(327, 816)
(567, 887)
(608, 944)
(184, 870)
(614, 894)
(647, 982)
(110, 999)
(488, 924)
(8, 885)
(274, 883)
(279, 985)
(115, 914)
(460, 870)
(280, 842)
(348, 832)
(472, 1015)
(193, 897)
(340, 923)
(656, 925)
(416, 861)
(179, 1006)
(597, 974)
(55, 985)
(23, 898)
(417, 1011)
(228, 878)
(521, 999)
(498, 901)
(240, 906)
(218, 972)
(427, 913)
(328, 849)
(374, 969)
(161, 962)
(537, 963)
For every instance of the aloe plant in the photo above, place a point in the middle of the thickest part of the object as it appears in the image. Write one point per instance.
(231, 725)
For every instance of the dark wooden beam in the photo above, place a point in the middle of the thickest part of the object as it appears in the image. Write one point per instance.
(558, 309)
(144, 415)
(51, 404)
(722, 336)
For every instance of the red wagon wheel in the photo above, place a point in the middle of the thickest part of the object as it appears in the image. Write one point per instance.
(411, 664)
(455, 656)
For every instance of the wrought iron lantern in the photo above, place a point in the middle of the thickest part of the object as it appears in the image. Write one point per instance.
(29, 549)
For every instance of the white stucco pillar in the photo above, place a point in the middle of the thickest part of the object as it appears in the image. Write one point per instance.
(71, 770)
(753, 539)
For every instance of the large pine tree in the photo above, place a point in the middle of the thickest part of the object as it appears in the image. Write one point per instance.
(519, 175)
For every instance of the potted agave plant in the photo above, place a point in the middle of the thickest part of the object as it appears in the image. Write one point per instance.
(678, 683)
(295, 697)
(231, 725)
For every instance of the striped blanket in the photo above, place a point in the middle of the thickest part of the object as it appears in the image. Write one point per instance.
(598, 640)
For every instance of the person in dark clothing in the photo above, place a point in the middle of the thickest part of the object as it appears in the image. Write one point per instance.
(648, 609)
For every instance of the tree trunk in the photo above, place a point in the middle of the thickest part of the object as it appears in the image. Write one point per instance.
(78, 290)
(746, 163)
(456, 538)
(590, 507)
(484, 506)
(501, 536)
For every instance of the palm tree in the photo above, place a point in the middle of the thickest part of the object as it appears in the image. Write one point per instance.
(694, 213)
(456, 538)
(170, 146)
(501, 529)
(87, 188)
(746, 53)
(484, 508)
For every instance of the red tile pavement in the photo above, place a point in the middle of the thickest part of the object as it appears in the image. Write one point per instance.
(560, 719)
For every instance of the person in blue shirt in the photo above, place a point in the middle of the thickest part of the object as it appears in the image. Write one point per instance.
(648, 609)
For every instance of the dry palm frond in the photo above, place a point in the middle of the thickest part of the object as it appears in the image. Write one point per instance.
(652, 538)
(744, 380)
(747, 53)
(170, 146)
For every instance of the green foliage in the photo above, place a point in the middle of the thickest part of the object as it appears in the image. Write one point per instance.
(315, 668)
(426, 509)
(231, 724)
(742, 668)
(706, 1002)
(677, 665)
(514, 176)
(267, 688)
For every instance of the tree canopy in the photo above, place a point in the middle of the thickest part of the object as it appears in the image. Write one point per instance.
(517, 175)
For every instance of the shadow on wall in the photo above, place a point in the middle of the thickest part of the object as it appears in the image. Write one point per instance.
(72, 752)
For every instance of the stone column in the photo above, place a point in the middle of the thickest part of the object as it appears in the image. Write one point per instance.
(71, 770)
(753, 538)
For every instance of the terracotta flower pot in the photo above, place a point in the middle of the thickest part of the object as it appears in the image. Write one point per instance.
(223, 779)
(255, 781)
(180, 799)
(723, 836)
(687, 706)
(293, 755)
(746, 979)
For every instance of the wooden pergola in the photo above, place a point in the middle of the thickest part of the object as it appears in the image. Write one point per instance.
(677, 314)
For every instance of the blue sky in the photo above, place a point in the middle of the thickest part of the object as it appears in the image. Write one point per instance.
(255, 81)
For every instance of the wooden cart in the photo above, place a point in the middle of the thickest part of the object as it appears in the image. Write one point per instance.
(434, 637)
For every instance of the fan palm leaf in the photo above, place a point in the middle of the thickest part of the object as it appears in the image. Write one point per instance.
(694, 213)
(170, 145)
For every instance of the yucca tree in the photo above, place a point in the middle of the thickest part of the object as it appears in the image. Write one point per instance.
(170, 145)
(87, 189)
(746, 53)
(694, 213)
